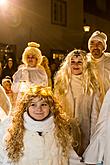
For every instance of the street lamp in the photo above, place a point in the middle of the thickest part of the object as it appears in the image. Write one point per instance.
(86, 28)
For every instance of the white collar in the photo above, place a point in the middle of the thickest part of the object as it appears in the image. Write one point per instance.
(99, 59)
(38, 126)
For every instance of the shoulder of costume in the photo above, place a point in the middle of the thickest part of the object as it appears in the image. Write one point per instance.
(107, 54)
(40, 67)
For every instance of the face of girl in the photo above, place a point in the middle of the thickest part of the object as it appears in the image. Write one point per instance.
(38, 109)
(31, 60)
(76, 65)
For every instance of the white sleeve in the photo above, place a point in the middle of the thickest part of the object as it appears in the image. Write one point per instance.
(21, 75)
(96, 147)
(74, 159)
(42, 73)
(16, 80)
(95, 112)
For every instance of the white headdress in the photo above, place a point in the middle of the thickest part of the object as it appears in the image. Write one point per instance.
(100, 36)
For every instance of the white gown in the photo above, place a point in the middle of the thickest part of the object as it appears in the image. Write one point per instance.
(26, 77)
(38, 150)
(99, 147)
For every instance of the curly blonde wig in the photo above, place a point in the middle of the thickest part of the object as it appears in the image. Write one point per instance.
(32, 49)
(63, 127)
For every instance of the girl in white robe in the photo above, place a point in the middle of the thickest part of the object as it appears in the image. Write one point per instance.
(32, 73)
(37, 133)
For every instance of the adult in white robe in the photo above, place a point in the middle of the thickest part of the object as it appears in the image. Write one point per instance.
(100, 59)
(84, 106)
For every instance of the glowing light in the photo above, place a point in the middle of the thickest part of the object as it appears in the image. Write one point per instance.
(23, 86)
(10, 13)
(86, 28)
(3, 2)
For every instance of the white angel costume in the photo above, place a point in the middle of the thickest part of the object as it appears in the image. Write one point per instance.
(38, 150)
(26, 77)
(99, 148)
(29, 75)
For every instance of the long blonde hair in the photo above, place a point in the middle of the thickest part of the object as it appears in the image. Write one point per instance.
(89, 79)
(63, 127)
(64, 75)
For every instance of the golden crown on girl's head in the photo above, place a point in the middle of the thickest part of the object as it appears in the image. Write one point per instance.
(40, 90)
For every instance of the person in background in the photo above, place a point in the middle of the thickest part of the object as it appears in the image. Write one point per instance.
(32, 73)
(9, 69)
(100, 59)
(6, 83)
(53, 68)
(76, 88)
(45, 64)
(38, 133)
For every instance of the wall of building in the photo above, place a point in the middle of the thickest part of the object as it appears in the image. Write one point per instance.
(24, 21)
(98, 23)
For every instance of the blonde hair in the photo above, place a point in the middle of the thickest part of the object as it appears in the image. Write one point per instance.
(89, 79)
(63, 76)
(45, 64)
(33, 50)
(63, 129)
